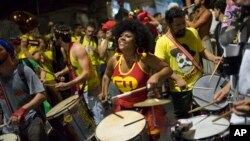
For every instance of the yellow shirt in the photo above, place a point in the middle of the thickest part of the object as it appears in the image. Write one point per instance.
(93, 81)
(47, 65)
(181, 65)
(21, 54)
(90, 46)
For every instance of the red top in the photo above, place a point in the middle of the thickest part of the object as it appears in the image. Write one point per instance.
(135, 78)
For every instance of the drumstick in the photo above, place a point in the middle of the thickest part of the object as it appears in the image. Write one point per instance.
(46, 70)
(217, 65)
(201, 107)
(118, 115)
(222, 116)
(134, 122)
(129, 93)
(204, 88)
(3, 125)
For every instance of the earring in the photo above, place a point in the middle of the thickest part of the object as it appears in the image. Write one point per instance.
(117, 52)
(141, 52)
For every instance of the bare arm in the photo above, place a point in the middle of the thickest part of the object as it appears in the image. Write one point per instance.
(107, 77)
(84, 61)
(161, 68)
(203, 19)
(102, 48)
(209, 56)
(35, 102)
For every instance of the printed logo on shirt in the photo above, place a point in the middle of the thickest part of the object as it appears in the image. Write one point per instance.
(125, 84)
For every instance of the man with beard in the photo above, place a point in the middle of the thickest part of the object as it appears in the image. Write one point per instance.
(181, 48)
(20, 99)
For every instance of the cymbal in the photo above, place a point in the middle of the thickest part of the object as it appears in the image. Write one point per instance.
(152, 102)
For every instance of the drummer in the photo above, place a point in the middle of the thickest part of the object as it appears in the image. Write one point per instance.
(177, 48)
(21, 92)
(131, 68)
(83, 77)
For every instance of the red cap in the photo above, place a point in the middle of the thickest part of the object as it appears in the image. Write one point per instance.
(108, 25)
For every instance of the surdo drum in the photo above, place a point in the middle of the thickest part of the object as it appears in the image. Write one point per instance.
(75, 114)
(122, 126)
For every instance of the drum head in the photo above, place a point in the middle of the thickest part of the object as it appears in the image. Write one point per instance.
(9, 137)
(203, 127)
(204, 90)
(62, 107)
(121, 126)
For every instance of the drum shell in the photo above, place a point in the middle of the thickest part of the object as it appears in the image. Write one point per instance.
(74, 118)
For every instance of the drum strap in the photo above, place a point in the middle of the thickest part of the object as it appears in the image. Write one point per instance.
(184, 51)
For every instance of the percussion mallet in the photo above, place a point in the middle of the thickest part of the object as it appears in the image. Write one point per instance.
(201, 107)
(129, 93)
(222, 116)
(216, 67)
(46, 70)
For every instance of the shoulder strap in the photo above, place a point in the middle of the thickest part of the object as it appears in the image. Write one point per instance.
(39, 110)
(27, 62)
(184, 51)
(20, 70)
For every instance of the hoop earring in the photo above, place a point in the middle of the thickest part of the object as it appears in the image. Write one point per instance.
(141, 52)
(117, 52)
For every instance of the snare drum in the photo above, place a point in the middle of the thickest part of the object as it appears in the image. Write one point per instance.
(204, 129)
(121, 126)
(73, 113)
(204, 90)
(9, 137)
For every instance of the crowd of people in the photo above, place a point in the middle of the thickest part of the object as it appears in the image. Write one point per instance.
(138, 50)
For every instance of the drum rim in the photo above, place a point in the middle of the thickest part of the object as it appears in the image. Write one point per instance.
(211, 135)
(119, 112)
(6, 134)
(63, 110)
(194, 99)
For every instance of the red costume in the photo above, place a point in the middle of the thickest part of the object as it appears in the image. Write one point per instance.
(135, 78)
